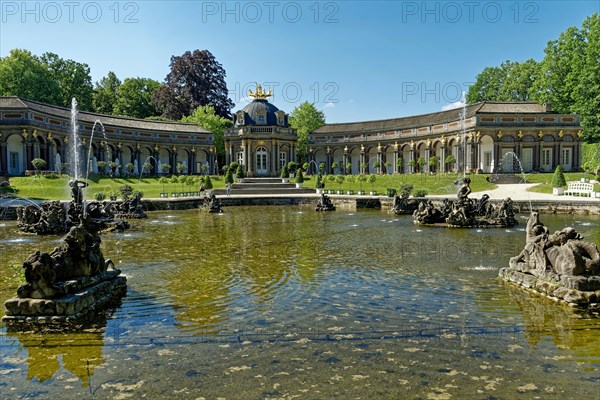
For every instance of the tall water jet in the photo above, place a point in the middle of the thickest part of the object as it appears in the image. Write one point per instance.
(463, 122)
(74, 138)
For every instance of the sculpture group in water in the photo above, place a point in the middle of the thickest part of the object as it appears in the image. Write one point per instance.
(211, 203)
(54, 217)
(561, 265)
(72, 282)
(402, 205)
(324, 204)
(465, 212)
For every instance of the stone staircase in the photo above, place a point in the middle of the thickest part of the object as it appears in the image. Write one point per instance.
(506, 178)
(267, 186)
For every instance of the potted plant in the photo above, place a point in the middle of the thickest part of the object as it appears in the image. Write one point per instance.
(322, 168)
(101, 167)
(292, 169)
(146, 168)
(377, 165)
(360, 179)
(349, 168)
(129, 167)
(399, 164)
(38, 164)
(165, 168)
(387, 164)
(180, 168)
(371, 179)
(363, 167)
(299, 179)
(421, 162)
(331, 179)
(558, 182)
(450, 160)
(433, 163)
(334, 167)
(350, 179)
(339, 179)
(285, 174)
(239, 173)
(319, 184)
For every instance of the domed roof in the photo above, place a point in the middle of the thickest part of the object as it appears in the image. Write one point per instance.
(260, 107)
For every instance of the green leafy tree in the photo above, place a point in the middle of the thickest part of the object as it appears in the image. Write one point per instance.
(102, 167)
(450, 160)
(399, 164)
(590, 156)
(206, 117)
(165, 168)
(371, 179)
(305, 118)
(360, 178)
(322, 167)
(163, 181)
(292, 167)
(196, 79)
(334, 166)
(558, 179)
(421, 162)
(38, 164)
(146, 168)
(299, 177)
(73, 78)
(387, 164)
(349, 168)
(23, 74)
(180, 168)
(104, 97)
(339, 179)
(587, 98)
(433, 161)
(134, 98)
(363, 167)
(130, 168)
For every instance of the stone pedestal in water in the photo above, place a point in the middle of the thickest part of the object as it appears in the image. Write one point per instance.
(559, 265)
(67, 286)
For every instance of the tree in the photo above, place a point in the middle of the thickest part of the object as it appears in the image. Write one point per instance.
(299, 177)
(348, 167)
(319, 184)
(206, 117)
(399, 164)
(102, 167)
(229, 176)
(322, 167)
(134, 98)
(196, 79)
(371, 179)
(421, 162)
(38, 164)
(180, 168)
(130, 168)
(512, 81)
(239, 172)
(305, 118)
(23, 74)
(587, 98)
(285, 173)
(450, 159)
(334, 166)
(165, 168)
(433, 161)
(146, 167)
(73, 78)
(104, 97)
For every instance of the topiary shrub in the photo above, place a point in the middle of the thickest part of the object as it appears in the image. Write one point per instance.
(239, 172)
(558, 180)
(99, 196)
(299, 177)
(285, 173)
(207, 182)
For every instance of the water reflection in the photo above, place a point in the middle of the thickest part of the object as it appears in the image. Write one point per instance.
(323, 305)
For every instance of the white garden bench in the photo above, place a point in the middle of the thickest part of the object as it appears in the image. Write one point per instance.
(580, 189)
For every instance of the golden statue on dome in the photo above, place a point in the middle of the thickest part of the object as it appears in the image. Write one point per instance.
(260, 94)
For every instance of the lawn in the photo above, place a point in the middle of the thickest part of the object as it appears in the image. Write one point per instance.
(52, 188)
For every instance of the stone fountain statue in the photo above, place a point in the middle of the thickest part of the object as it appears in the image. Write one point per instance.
(51, 218)
(560, 265)
(465, 212)
(211, 203)
(324, 204)
(72, 281)
(402, 205)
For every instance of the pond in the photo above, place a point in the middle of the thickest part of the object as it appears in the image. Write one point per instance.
(282, 302)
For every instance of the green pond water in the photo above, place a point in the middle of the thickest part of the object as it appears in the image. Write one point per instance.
(283, 302)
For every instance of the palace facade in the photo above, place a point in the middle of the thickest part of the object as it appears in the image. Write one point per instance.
(260, 139)
(482, 137)
(30, 129)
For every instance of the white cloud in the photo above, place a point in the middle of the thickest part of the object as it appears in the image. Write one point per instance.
(452, 106)
(329, 105)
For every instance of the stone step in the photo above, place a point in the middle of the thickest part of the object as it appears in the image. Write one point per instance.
(262, 180)
(261, 185)
(282, 191)
(500, 179)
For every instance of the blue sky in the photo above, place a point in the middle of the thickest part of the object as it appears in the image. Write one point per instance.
(357, 60)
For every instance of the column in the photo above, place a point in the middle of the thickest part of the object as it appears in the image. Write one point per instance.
(427, 154)
(3, 159)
